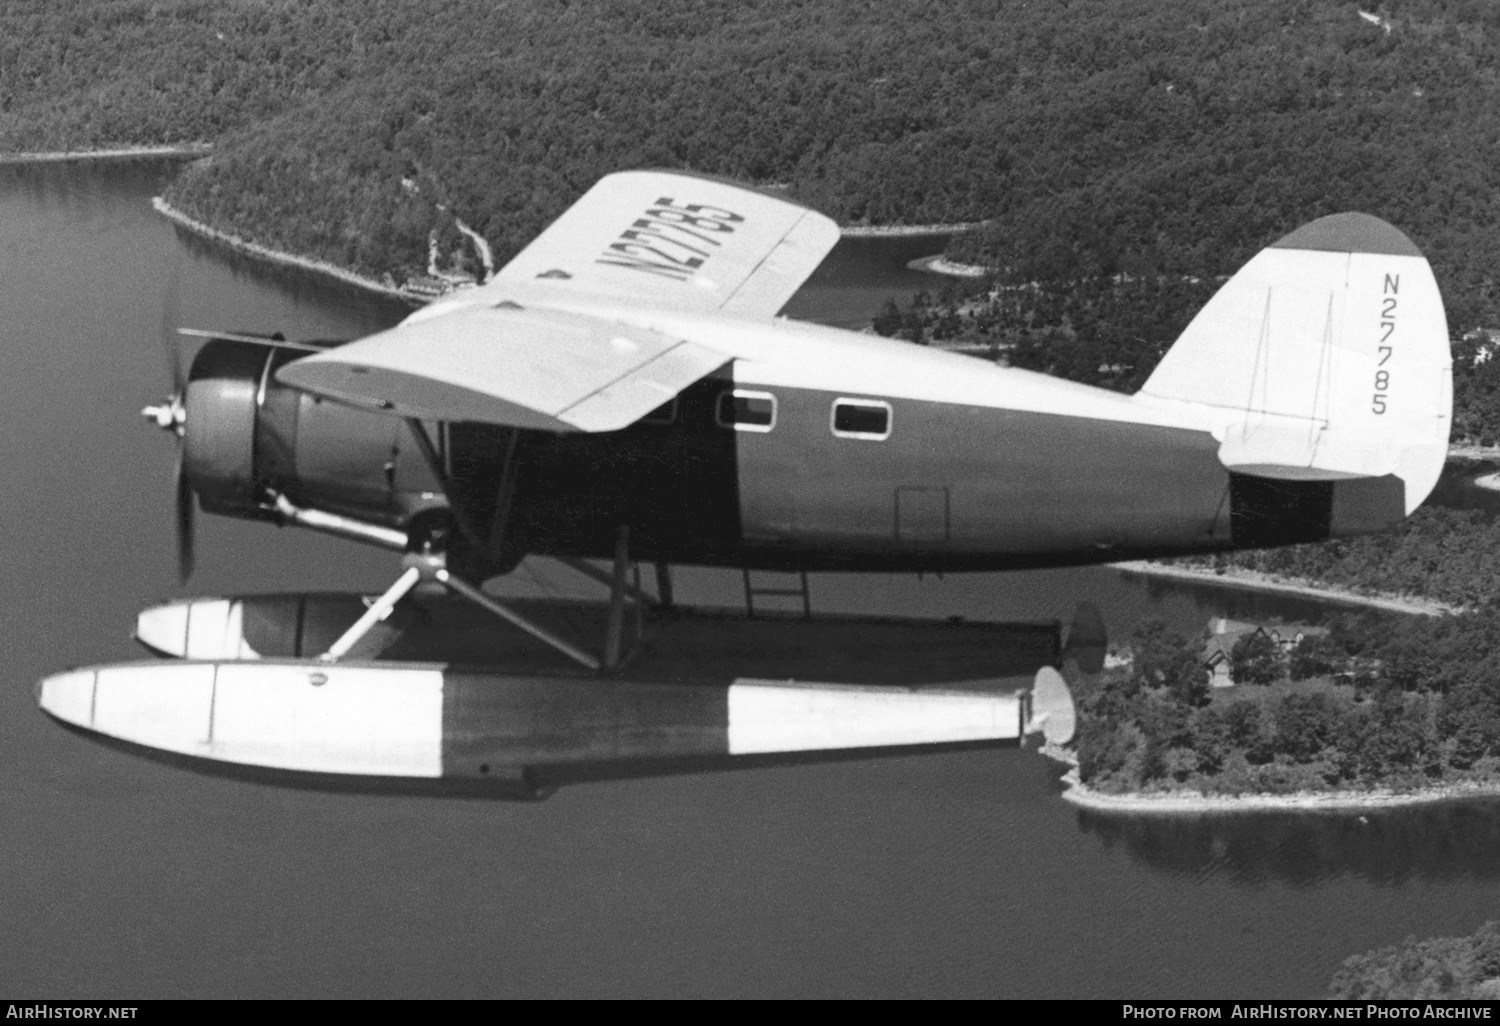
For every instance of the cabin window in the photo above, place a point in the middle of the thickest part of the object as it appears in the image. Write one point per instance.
(666, 413)
(744, 410)
(861, 418)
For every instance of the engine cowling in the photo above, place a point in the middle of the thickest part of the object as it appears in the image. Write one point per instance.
(247, 437)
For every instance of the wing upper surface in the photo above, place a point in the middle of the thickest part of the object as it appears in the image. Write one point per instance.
(667, 239)
(537, 347)
(545, 369)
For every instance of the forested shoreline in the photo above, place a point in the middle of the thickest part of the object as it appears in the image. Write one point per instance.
(1449, 555)
(1379, 702)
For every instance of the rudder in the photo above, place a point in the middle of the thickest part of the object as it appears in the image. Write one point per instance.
(1324, 359)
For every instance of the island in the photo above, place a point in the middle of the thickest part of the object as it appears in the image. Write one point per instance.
(1374, 709)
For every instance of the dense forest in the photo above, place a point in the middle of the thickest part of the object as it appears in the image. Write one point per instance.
(1451, 968)
(1150, 138)
(1380, 700)
(1445, 554)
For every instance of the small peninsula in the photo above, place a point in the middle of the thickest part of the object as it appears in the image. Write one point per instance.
(234, 242)
(1377, 709)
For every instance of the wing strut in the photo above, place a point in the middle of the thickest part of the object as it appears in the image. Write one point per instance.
(439, 472)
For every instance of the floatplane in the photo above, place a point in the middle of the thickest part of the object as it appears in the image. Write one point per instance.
(623, 390)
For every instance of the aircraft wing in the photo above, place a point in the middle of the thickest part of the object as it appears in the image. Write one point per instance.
(525, 350)
(552, 370)
(666, 239)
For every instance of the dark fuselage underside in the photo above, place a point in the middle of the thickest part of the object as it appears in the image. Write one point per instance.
(952, 487)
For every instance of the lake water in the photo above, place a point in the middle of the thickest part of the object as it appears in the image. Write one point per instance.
(956, 874)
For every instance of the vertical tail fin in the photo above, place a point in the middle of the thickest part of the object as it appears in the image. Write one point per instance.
(1325, 358)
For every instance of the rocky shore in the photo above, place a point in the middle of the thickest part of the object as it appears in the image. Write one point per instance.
(1180, 802)
(276, 256)
(942, 265)
(1250, 580)
(186, 151)
(895, 231)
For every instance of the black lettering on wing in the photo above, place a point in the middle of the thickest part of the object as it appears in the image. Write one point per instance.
(646, 266)
(657, 242)
(620, 256)
(636, 248)
(673, 215)
(717, 213)
(634, 234)
(649, 223)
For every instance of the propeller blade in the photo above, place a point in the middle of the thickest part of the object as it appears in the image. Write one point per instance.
(185, 503)
(170, 313)
(170, 416)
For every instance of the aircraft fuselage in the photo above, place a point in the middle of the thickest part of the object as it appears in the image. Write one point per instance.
(941, 486)
(854, 453)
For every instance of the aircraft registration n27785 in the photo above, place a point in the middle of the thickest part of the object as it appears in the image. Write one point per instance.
(623, 389)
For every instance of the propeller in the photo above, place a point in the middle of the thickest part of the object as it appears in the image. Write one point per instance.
(185, 504)
(171, 415)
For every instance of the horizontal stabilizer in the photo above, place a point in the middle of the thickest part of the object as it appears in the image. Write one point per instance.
(542, 369)
(1325, 358)
(1291, 452)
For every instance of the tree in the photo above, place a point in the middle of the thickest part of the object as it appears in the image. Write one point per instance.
(1256, 659)
(1316, 655)
(1104, 748)
(1305, 726)
(888, 321)
(1244, 728)
(1210, 739)
(1165, 659)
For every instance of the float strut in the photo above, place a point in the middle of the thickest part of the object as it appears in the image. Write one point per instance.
(607, 579)
(431, 568)
(463, 588)
(618, 586)
(379, 610)
(664, 585)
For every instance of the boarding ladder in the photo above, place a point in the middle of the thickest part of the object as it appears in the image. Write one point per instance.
(776, 588)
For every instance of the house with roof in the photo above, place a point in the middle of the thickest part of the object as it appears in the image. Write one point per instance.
(1224, 634)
